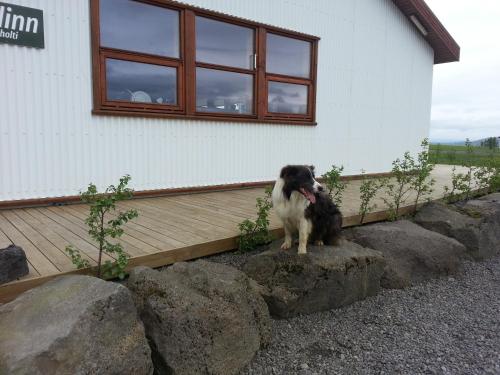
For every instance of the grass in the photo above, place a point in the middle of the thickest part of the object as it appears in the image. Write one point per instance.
(457, 155)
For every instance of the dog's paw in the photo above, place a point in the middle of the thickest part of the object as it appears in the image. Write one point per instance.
(286, 245)
(318, 243)
(302, 250)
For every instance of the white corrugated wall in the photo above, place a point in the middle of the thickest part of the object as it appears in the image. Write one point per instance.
(373, 103)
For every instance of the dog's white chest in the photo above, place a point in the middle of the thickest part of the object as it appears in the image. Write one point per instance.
(288, 210)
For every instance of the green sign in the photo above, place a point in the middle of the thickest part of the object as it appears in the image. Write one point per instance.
(21, 25)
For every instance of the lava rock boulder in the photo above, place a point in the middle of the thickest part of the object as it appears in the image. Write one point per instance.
(201, 317)
(73, 325)
(413, 254)
(13, 264)
(326, 277)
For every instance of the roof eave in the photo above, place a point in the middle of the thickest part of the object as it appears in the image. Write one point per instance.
(446, 49)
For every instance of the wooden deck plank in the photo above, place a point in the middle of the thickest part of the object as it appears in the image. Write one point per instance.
(35, 257)
(48, 232)
(168, 229)
(81, 229)
(83, 244)
(155, 239)
(58, 258)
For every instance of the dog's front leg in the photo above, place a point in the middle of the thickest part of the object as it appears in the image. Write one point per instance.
(288, 236)
(304, 231)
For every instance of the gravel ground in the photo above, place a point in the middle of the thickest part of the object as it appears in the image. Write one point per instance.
(446, 326)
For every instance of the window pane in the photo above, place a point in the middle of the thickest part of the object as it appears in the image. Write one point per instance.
(224, 44)
(138, 82)
(287, 98)
(134, 26)
(288, 56)
(225, 92)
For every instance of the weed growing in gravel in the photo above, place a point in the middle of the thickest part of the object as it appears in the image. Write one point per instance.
(334, 184)
(367, 191)
(100, 229)
(256, 233)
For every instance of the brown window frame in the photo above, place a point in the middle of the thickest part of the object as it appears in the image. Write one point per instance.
(186, 66)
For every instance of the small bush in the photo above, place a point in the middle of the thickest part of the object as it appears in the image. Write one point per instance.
(367, 192)
(400, 185)
(421, 182)
(100, 229)
(256, 233)
(334, 184)
(459, 185)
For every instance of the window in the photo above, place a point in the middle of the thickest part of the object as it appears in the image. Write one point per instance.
(162, 58)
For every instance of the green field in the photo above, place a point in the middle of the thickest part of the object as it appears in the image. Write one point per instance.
(458, 155)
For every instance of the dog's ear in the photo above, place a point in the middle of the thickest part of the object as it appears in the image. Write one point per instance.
(312, 169)
(289, 170)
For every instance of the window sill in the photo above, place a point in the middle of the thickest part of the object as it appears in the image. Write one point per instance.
(204, 117)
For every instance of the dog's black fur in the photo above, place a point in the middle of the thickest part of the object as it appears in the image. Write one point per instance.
(326, 219)
(297, 177)
(325, 216)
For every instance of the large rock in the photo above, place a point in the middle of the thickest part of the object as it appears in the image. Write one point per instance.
(487, 207)
(13, 264)
(413, 253)
(326, 277)
(477, 234)
(73, 325)
(201, 317)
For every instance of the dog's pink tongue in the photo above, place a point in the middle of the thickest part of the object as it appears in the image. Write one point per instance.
(309, 196)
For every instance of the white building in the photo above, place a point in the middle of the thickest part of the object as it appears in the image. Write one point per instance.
(217, 92)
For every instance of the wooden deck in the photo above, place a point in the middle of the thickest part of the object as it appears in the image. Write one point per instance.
(168, 229)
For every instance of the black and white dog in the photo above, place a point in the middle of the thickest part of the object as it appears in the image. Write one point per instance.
(301, 204)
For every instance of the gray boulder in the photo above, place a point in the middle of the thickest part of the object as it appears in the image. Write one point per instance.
(73, 325)
(477, 234)
(201, 317)
(13, 264)
(326, 277)
(413, 253)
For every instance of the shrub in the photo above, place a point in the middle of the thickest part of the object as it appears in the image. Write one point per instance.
(421, 181)
(367, 191)
(101, 229)
(400, 185)
(334, 184)
(487, 177)
(459, 184)
(256, 233)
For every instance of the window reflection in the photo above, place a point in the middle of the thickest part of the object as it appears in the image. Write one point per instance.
(287, 98)
(134, 26)
(288, 56)
(223, 92)
(224, 43)
(137, 82)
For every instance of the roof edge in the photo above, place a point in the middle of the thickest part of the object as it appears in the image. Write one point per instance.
(446, 49)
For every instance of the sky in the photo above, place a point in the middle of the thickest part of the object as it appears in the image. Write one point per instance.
(466, 94)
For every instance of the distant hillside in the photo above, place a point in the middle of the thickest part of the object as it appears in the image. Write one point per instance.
(461, 143)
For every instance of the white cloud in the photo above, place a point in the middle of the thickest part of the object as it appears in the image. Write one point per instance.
(466, 94)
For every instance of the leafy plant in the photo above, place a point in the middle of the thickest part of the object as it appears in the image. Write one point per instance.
(487, 177)
(367, 191)
(470, 169)
(101, 229)
(422, 168)
(459, 184)
(256, 233)
(400, 185)
(334, 184)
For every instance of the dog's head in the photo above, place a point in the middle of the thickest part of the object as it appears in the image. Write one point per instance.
(300, 178)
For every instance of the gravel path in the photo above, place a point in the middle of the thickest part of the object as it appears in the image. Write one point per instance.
(446, 326)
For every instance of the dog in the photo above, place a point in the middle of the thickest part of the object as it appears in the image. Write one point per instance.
(303, 207)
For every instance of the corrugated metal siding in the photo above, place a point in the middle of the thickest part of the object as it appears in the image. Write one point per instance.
(373, 103)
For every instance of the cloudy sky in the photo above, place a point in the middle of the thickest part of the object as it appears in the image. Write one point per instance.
(466, 95)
